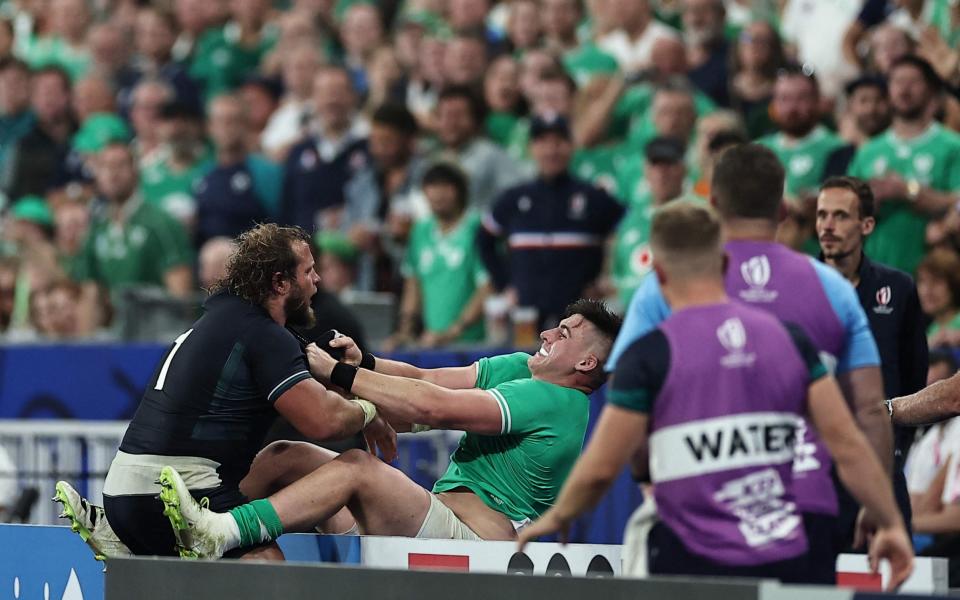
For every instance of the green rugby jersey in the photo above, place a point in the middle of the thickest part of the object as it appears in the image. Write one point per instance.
(519, 473)
(933, 160)
(804, 159)
(449, 270)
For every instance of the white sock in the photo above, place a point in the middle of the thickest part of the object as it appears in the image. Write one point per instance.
(230, 529)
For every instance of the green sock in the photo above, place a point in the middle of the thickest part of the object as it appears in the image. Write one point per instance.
(258, 522)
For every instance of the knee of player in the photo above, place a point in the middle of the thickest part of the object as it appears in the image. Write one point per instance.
(360, 460)
(280, 449)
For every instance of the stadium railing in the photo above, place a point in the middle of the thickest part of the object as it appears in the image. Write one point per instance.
(81, 451)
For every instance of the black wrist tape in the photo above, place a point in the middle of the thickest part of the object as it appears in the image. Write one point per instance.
(368, 362)
(343, 376)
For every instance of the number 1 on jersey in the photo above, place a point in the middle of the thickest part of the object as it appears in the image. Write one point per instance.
(166, 364)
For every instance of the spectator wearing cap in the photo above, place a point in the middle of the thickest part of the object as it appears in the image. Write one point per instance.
(382, 197)
(663, 175)
(845, 218)
(95, 133)
(912, 167)
(223, 56)
(444, 281)
(170, 179)
(242, 189)
(801, 144)
(130, 242)
(40, 154)
(16, 118)
(554, 226)
(318, 168)
(867, 115)
(460, 117)
(288, 124)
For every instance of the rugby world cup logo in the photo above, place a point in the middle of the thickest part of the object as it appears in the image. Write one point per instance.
(733, 337)
(756, 273)
(884, 296)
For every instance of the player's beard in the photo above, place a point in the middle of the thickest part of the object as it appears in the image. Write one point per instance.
(298, 309)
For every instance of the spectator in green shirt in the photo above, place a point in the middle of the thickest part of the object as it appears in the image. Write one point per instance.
(130, 241)
(223, 57)
(65, 46)
(183, 159)
(501, 91)
(660, 181)
(802, 144)
(445, 283)
(913, 167)
(938, 285)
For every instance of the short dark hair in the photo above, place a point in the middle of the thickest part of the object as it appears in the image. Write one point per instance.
(865, 81)
(444, 173)
(558, 73)
(57, 71)
(748, 183)
(801, 71)
(12, 62)
(726, 138)
(463, 92)
(599, 314)
(858, 186)
(607, 323)
(261, 252)
(396, 116)
(929, 74)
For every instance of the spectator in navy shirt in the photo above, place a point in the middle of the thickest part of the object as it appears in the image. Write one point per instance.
(243, 189)
(318, 168)
(707, 50)
(555, 228)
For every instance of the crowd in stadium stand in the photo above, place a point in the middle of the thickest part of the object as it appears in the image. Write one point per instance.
(542, 116)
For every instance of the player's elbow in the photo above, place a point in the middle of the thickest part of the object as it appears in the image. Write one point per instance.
(334, 425)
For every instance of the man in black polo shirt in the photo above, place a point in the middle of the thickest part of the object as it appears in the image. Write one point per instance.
(845, 217)
(212, 398)
(555, 228)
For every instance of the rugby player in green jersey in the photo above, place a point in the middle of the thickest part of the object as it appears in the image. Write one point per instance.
(525, 419)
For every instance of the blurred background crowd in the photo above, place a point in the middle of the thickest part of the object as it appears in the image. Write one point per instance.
(462, 164)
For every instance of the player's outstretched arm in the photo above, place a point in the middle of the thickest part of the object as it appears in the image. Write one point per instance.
(938, 402)
(413, 400)
(862, 474)
(454, 378)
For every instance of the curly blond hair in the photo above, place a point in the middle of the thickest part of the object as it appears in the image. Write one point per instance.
(262, 252)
